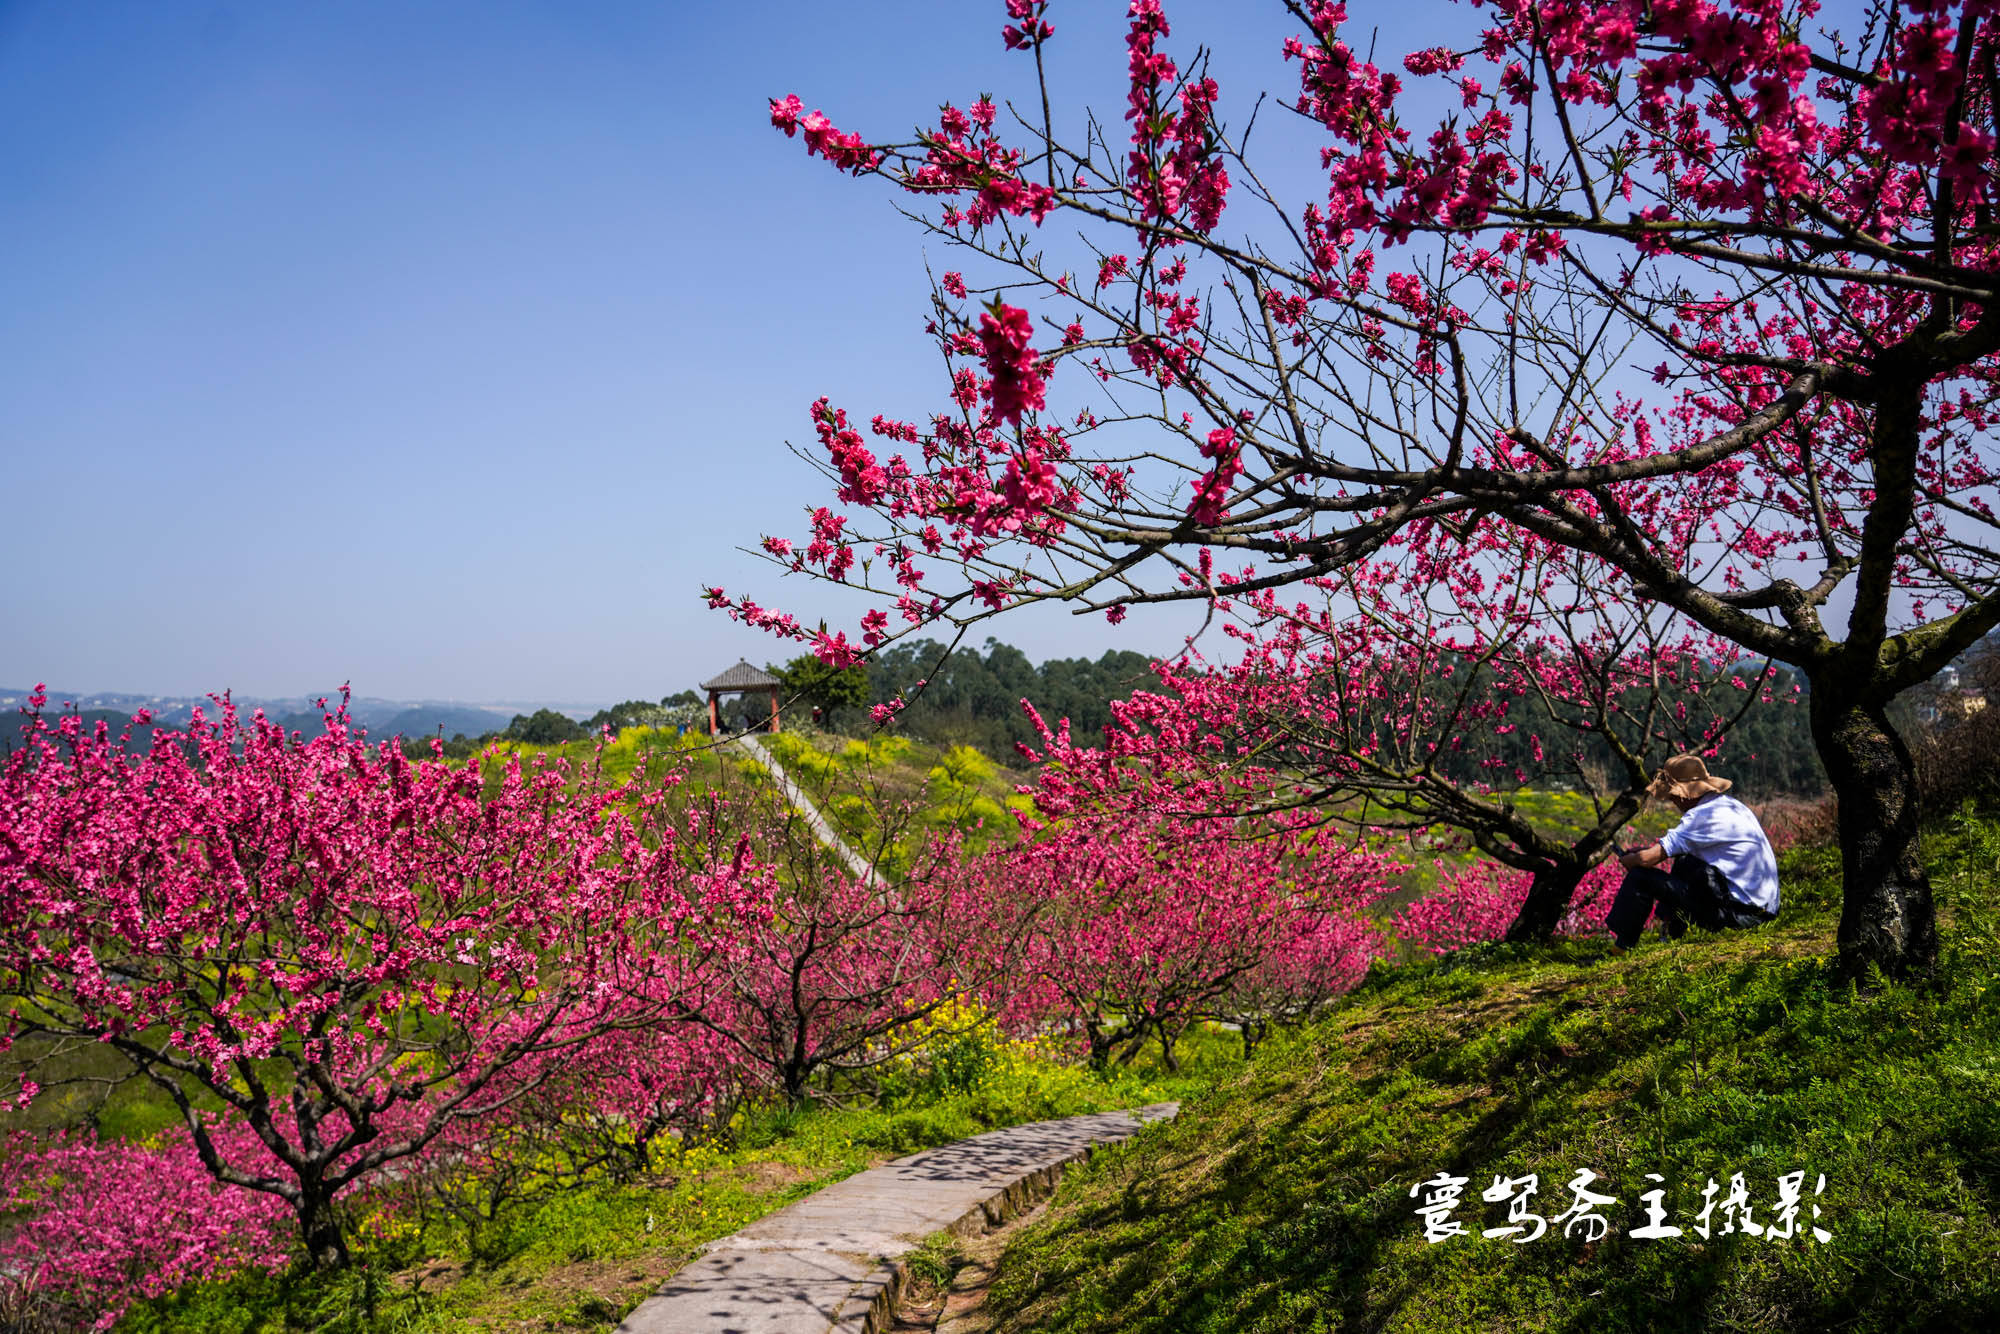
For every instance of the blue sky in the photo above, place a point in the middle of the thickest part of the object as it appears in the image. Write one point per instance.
(451, 348)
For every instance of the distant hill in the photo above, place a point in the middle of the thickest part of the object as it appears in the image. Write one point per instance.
(113, 719)
(168, 710)
(413, 721)
(450, 720)
(298, 713)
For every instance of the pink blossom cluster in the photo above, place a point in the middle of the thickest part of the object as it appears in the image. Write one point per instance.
(1480, 900)
(1173, 166)
(1211, 490)
(862, 481)
(1016, 385)
(98, 1224)
(1029, 28)
(847, 151)
(976, 486)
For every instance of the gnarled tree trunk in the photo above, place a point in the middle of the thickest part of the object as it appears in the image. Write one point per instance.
(326, 1244)
(1548, 899)
(1887, 917)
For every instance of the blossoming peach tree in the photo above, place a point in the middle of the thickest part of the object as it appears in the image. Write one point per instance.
(1699, 290)
(1154, 910)
(849, 972)
(94, 1225)
(1412, 695)
(329, 958)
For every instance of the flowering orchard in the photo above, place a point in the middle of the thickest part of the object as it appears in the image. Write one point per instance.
(1698, 292)
(341, 950)
(362, 981)
(1162, 912)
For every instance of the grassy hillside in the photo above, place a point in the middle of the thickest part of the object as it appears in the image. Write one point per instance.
(1280, 1201)
(888, 789)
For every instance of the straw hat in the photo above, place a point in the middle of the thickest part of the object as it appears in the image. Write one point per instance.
(1685, 777)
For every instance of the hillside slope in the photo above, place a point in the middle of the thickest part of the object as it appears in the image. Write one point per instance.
(1281, 1201)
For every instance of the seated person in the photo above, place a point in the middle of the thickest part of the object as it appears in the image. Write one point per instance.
(1724, 874)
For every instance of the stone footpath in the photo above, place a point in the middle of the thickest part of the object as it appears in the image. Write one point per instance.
(825, 1264)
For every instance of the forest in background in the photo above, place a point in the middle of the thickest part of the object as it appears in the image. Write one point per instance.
(972, 697)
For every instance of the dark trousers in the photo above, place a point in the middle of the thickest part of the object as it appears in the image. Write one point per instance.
(1693, 892)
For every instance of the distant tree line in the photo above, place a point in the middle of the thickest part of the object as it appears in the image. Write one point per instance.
(1769, 752)
(546, 727)
(973, 698)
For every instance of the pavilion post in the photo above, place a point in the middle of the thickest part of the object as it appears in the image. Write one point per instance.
(714, 720)
(774, 710)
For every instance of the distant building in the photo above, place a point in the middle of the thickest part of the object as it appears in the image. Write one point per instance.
(742, 679)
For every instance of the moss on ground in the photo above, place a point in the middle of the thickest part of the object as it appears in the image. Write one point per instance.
(1280, 1200)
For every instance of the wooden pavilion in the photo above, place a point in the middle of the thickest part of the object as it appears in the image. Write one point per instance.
(742, 679)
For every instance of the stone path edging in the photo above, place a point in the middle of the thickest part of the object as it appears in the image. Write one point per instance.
(827, 1264)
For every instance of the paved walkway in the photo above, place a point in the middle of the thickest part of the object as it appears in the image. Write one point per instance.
(820, 1266)
(822, 827)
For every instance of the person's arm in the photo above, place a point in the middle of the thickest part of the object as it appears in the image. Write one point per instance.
(1650, 855)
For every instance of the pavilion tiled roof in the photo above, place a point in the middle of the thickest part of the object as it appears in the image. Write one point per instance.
(742, 677)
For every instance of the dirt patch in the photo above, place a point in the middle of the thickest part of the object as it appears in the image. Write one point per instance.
(616, 1282)
(433, 1276)
(596, 1292)
(765, 1177)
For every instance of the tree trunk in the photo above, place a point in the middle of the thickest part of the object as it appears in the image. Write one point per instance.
(1133, 1040)
(1100, 1043)
(1548, 899)
(326, 1245)
(1886, 914)
(794, 1074)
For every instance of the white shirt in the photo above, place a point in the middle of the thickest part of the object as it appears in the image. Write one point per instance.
(1723, 832)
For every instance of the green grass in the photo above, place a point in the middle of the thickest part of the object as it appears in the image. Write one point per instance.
(905, 792)
(887, 795)
(1280, 1200)
(649, 753)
